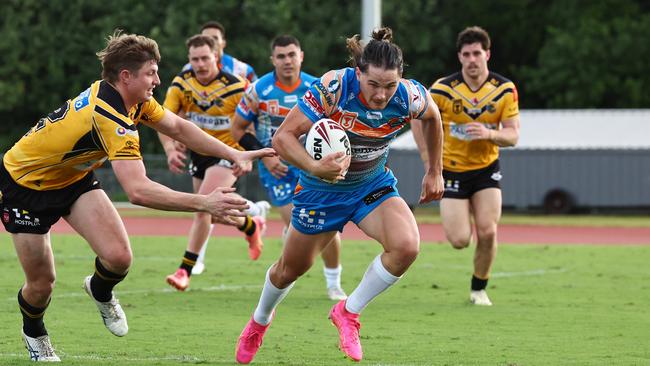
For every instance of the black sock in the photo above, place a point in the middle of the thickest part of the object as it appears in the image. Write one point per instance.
(189, 260)
(478, 284)
(33, 325)
(103, 281)
(249, 226)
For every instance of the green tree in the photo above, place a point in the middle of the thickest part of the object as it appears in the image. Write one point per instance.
(596, 60)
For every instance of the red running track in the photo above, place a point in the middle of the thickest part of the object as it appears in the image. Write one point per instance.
(515, 234)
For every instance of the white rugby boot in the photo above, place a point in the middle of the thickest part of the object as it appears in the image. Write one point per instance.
(40, 348)
(112, 314)
(479, 298)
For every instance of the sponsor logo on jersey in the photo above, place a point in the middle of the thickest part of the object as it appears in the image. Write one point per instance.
(333, 86)
(459, 131)
(324, 93)
(215, 123)
(290, 99)
(376, 115)
(399, 101)
(268, 89)
(313, 104)
(368, 153)
(82, 100)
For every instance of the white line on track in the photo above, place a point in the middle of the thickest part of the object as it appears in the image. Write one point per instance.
(535, 272)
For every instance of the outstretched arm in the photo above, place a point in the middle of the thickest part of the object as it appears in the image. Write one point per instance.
(144, 192)
(202, 143)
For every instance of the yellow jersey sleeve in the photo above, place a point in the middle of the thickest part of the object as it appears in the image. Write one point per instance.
(511, 103)
(117, 135)
(176, 95)
(150, 111)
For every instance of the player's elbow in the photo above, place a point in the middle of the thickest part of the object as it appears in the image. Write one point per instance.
(278, 142)
(136, 195)
(512, 141)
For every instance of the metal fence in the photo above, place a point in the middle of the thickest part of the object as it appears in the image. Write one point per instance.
(556, 180)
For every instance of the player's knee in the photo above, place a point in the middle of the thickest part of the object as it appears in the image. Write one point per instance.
(459, 242)
(408, 249)
(487, 233)
(42, 287)
(119, 261)
(286, 275)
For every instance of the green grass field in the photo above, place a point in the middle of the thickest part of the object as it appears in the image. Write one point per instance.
(554, 305)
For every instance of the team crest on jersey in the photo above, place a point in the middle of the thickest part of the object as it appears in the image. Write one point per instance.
(457, 106)
(120, 131)
(348, 119)
(187, 96)
(491, 108)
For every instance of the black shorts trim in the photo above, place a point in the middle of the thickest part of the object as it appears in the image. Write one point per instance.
(25, 210)
(200, 163)
(463, 185)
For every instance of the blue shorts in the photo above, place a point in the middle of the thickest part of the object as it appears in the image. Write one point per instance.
(280, 191)
(316, 212)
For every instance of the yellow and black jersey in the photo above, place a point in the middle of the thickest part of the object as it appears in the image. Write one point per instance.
(78, 137)
(211, 106)
(496, 100)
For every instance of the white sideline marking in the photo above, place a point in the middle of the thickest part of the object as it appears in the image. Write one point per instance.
(535, 272)
(218, 288)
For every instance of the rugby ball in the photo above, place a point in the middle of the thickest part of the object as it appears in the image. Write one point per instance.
(326, 137)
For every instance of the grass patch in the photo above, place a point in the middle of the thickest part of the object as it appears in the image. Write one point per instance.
(554, 305)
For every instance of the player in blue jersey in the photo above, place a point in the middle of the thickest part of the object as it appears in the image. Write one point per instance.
(266, 103)
(372, 103)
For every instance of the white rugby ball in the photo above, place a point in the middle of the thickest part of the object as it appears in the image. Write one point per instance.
(326, 137)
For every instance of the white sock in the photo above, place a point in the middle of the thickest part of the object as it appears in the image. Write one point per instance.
(201, 257)
(253, 209)
(333, 276)
(269, 299)
(375, 281)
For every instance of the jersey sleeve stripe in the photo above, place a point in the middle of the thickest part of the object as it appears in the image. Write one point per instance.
(178, 85)
(114, 118)
(441, 92)
(504, 92)
(138, 109)
(234, 91)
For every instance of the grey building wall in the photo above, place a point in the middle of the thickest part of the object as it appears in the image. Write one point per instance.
(604, 178)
